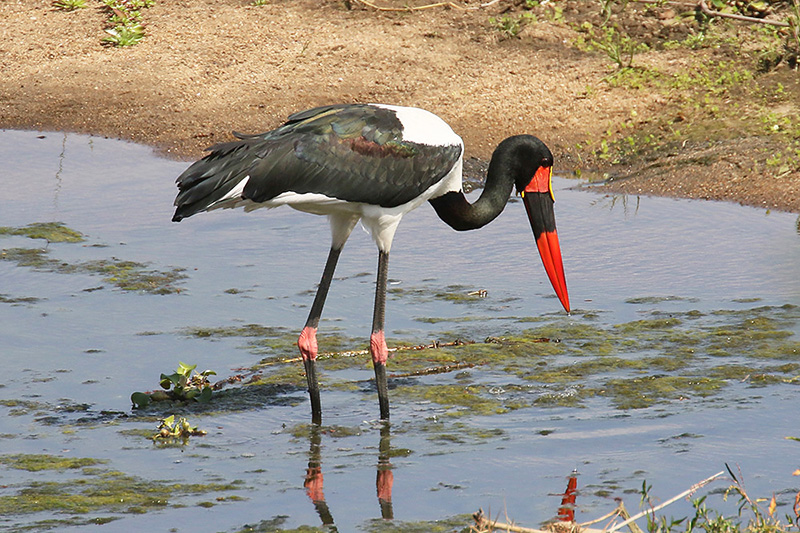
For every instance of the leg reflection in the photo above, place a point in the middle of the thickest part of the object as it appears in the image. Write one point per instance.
(385, 478)
(313, 482)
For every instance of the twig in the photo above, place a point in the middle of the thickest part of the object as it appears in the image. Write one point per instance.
(711, 13)
(616, 512)
(485, 524)
(427, 6)
(668, 2)
(683, 494)
(623, 512)
(441, 369)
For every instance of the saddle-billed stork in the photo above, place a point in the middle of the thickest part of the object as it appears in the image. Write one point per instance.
(372, 163)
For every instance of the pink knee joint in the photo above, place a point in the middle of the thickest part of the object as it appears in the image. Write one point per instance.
(308, 343)
(378, 349)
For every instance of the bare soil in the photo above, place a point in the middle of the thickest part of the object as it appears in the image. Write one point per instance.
(207, 67)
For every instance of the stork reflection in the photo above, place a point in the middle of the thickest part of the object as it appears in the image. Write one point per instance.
(314, 478)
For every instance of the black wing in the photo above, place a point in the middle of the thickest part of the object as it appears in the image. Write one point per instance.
(354, 153)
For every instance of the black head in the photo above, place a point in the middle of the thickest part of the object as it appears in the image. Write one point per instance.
(524, 155)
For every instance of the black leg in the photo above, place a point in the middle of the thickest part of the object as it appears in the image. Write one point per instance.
(377, 341)
(308, 337)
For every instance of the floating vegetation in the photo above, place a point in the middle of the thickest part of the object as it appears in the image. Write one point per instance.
(49, 231)
(6, 299)
(248, 330)
(94, 490)
(305, 431)
(38, 462)
(641, 392)
(658, 299)
(181, 386)
(561, 362)
(444, 525)
(126, 275)
(450, 293)
(460, 400)
(171, 431)
(22, 407)
(377, 525)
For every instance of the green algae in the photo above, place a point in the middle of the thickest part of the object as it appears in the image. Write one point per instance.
(444, 525)
(572, 396)
(93, 490)
(753, 375)
(564, 362)
(658, 299)
(641, 392)
(133, 276)
(583, 369)
(49, 231)
(458, 400)
(647, 325)
(38, 462)
(377, 525)
(6, 299)
(125, 275)
(457, 319)
(22, 407)
(304, 431)
(452, 293)
(278, 342)
(287, 374)
(247, 330)
(462, 432)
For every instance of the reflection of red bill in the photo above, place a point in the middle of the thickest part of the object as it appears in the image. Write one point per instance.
(566, 513)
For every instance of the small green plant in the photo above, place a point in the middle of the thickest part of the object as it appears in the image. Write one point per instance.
(618, 46)
(124, 35)
(760, 520)
(510, 26)
(125, 19)
(181, 385)
(169, 430)
(69, 5)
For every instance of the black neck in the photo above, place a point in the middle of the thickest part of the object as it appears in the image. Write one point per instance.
(505, 169)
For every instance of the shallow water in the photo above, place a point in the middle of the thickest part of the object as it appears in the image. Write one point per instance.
(75, 347)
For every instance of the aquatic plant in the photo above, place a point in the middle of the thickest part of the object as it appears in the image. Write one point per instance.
(169, 430)
(181, 385)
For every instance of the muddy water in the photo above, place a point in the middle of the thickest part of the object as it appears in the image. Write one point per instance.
(680, 356)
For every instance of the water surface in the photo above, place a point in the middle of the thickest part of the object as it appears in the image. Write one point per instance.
(75, 346)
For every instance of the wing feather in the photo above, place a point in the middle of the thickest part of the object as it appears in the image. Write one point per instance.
(354, 153)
